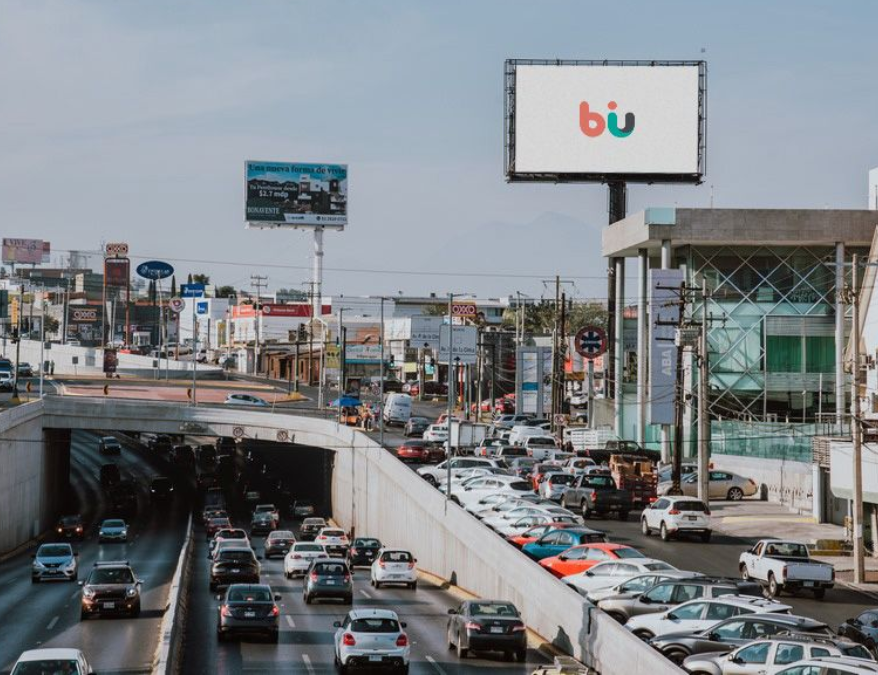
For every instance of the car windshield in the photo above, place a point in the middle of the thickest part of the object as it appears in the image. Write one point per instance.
(786, 549)
(235, 556)
(658, 566)
(313, 521)
(493, 609)
(857, 652)
(47, 667)
(627, 553)
(562, 478)
(374, 625)
(397, 556)
(117, 575)
(599, 481)
(114, 523)
(330, 569)
(54, 551)
(70, 520)
(367, 543)
(419, 420)
(308, 548)
(249, 595)
(333, 533)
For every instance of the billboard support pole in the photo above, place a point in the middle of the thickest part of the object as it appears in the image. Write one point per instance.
(317, 278)
(617, 206)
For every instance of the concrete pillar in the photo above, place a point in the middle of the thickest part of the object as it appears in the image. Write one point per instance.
(642, 333)
(817, 493)
(618, 347)
(839, 335)
(666, 430)
(666, 254)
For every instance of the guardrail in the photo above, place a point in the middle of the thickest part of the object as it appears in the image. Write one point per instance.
(167, 659)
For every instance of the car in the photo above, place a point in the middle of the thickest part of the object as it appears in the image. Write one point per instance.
(249, 609)
(774, 655)
(520, 466)
(70, 527)
(700, 614)
(270, 509)
(363, 551)
(234, 564)
(556, 541)
(487, 626)
(335, 540)
(419, 451)
(536, 532)
(666, 473)
(554, 484)
(109, 445)
(55, 561)
(504, 519)
(436, 433)
(416, 426)
(110, 474)
(161, 489)
(862, 629)
(721, 485)
(635, 586)
(123, 498)
(298, 559)
(672, 517)
(437, 473)
(580, 558)
(52, 660)
(482, 486)
(246, 399)
(215, 524)
(328, 578)
(529, 522)
(113, 529)
(611, 572)
(278, 541)
(831, 665)
(262, 523)
(394, 566)
(311, 527)
(110, 588)
(784, 565)
(579, 400)
(666, 594)
(25, 369)
(302, 508)
(734, 632)
(229, 534)
(371, 638)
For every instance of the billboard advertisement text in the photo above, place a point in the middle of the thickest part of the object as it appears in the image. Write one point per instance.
(283, 193)
(25, 251)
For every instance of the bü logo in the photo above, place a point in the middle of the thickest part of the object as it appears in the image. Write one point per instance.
(593, 124)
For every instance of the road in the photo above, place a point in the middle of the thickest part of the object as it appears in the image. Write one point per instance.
(47, 615)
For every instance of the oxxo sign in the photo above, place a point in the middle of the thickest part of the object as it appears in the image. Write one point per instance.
(467, 310)
(83, 315)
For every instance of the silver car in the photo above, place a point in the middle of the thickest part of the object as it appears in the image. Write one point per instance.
(371, 638)
(55, 561)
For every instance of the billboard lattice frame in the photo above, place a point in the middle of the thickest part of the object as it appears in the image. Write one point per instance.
(509, 135)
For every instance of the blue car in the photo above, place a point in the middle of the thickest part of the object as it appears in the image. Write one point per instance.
(113, 529)
(554, 542)
(55, 561)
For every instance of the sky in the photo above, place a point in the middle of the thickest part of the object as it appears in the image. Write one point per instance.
(131, 121)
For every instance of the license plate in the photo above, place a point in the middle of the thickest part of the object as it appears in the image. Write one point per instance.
(809, 583)
(109, 605)
(375, 658)
(330, 582)
(496, 629)
(235, 571)
(395, 576)
(249, 615)
(691, 518)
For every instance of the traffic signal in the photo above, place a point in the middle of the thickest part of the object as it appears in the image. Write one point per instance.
(14, 335)
(303, 333)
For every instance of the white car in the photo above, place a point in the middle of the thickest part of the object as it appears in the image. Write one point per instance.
(436, 433)
(489, 502)
(576, 465)
(635, 586)
(237, 535)
(518, 526)
(56, 660)
(579, 400)
(298, 558)
(394, 566)
(246, 399)
(481, 487)
(675, 516)
(700, 614)
(512, 515)
(555, 484)
(514, 500)
(434, 474)
(462, 476)
(611, 572)
(371, 637)
(335, 540)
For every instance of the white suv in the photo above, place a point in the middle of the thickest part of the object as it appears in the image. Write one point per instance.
(434, 474)
(673, 516)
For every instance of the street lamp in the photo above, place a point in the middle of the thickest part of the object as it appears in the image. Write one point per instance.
(451, 394)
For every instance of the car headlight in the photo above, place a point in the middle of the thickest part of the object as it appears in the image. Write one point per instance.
(88, 593)
(131, 592)
(124, 533)
(70, 565)
(38, 565)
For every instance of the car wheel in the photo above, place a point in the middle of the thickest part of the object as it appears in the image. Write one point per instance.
(617, 617)
(644, 634)
(644, 528)
(34, 580)
(705, 536)
(450, 641)
(623, 515)
(212, 586)
(819, 593)
(307, 597)
(349, 600)
(508, 656)
(462, 652)
(220, 636)
(736, 494)
(774, 588)
(663, 532)
(745, 575)
(135, 612)
(432, 481)
(414, 585)
(377, 584)
(273, 637)
(404, 669)
(521, 655)
(676, 656)
(584, 509)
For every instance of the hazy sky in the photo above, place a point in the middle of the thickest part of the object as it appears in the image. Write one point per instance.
(125, 120)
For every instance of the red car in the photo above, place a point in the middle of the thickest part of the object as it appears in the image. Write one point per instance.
(214, 525)
(537, 531)
(419, 451)
(581, 558)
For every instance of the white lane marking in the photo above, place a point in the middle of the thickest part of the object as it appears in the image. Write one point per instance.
(365, 593)
(52, 623)
(433, 663)
(307, 660)
(75, 595)
(290, 622)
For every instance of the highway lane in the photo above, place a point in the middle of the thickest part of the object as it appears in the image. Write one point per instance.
(305, 643)
(47, 614)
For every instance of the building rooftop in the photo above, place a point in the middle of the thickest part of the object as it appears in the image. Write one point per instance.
(737, 227)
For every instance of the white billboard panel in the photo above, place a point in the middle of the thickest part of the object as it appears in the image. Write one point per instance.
(463, 344)
(425, 331)
(594, 120)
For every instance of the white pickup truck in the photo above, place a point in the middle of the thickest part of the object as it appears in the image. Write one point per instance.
(785, 566)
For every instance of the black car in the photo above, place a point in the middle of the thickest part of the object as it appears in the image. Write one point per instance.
(733, 632)
(863, 629)
(111, 588)
(161, 443)
(161, 489)
(261, 523)
(109, 445)
(311, 528)
(363, 551)
(183, 456)
(416, 426)
(328, 579)
(234, 565)
(278, 542)
(248, 609)
(487, 626)
(70, 527)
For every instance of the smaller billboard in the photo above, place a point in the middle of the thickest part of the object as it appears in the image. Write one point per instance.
(663, 308)
(425, 331)
(296, 194)
(25, 251)
(463, 344)
(362, 353)
(192, 290)
(117, 272)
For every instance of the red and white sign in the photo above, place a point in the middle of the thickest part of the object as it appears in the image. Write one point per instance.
(301, 310)
(177, 305)
(116, 250)
(467, 310)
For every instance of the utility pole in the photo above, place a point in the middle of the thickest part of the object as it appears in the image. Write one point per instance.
(311, 285)
(856, 428)
(258, 282)
(703, 388)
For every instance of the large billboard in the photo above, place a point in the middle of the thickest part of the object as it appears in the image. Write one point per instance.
(282, 194)
(25, 251)
(605, 120)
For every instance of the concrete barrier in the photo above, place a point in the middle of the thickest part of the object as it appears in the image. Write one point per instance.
(167, 658)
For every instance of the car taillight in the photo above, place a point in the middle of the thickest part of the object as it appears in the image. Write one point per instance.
(652, 500)
(472, 625)
(674, 512)
(381, 564)
(79, 529)
(226, 612)
(402, 640)
(296, 556)
(275, 610)
(706, 512)
(313, 576)
(320, 538)
(518, 627)
(353, 551)
(347, 578)
(348, 640)
(594, 496)
(412, 565)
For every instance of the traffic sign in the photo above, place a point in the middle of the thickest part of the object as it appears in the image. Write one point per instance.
(176, 305)
(155, 269)
(590, 342)
(238, 432)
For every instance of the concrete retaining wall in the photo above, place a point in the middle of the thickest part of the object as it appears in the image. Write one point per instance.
(32, 475)
(788, 482)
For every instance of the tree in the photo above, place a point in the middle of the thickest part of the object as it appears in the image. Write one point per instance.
(51, 324)
(199, 278)
(539, 317)
(189, 278)
(291, 295)
(437, 309)
(225, 291)
(174, 286)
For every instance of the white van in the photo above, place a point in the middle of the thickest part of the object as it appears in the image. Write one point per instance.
(397, 408)
(521, 432)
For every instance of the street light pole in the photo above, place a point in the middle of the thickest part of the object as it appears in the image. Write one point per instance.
(450, 403)
(856, 429)
(381, 381)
